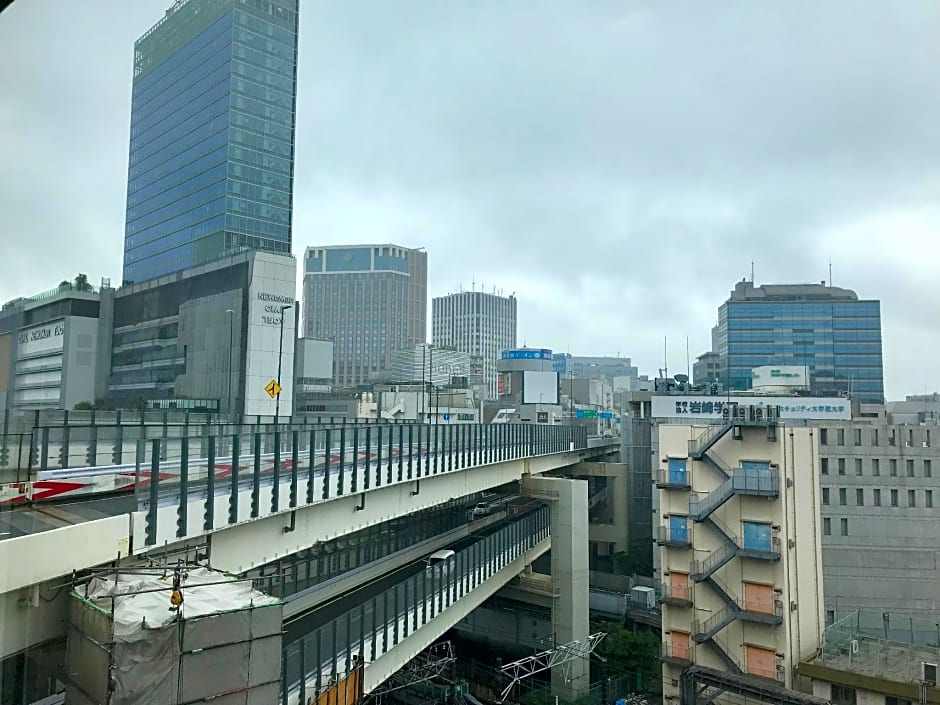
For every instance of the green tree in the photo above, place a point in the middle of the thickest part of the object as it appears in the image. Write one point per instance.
(81, 282)
(85, 406)
(631, 651)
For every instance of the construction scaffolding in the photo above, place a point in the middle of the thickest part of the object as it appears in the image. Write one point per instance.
(172, 636)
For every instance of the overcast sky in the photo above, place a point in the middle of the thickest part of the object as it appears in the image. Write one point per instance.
(616, 164)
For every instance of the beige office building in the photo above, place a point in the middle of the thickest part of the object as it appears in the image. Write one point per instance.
(739, 542)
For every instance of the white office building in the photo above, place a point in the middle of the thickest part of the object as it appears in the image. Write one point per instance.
(477, 323)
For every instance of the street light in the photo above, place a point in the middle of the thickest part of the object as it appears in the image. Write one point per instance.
(280, 352)
(231, 348)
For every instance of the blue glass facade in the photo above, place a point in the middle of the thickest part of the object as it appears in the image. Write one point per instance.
(212, 135)
(839, 341)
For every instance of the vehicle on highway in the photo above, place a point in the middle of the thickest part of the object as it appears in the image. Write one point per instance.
(482, 509)
(443, 558)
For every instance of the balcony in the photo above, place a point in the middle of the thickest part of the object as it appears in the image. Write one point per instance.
(765, 552)
(677, 537)
(754, 482)
(675, 595)
(761, 613)
(677, 655)
(671, 479)
(777, 674)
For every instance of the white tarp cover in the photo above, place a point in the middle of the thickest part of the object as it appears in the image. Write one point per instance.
(139, 603)
(234, 632)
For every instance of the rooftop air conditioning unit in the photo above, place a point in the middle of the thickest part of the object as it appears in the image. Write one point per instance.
(928, 672)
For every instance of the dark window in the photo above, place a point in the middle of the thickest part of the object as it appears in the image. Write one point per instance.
(842, 695)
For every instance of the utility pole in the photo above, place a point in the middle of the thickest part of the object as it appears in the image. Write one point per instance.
(280, 353)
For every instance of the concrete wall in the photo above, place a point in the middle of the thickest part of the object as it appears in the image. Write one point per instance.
(79, 361)
(889, 557)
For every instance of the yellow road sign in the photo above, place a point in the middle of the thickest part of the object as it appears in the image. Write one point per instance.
(273, 388)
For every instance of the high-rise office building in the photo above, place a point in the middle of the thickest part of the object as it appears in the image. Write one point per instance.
(829, 330)
(477, 323)
(370, 300)
(212, 135)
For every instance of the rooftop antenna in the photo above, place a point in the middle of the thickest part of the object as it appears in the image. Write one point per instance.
(665, 358)
(752, 272)
(473, 284)
(688, 364)
(830, 272)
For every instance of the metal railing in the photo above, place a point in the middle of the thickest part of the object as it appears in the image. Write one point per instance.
(665, 536)
(698, 446)
(679, 479)
(675, 594)
(384, 621)
(677, 652)
(285, 471)
(759, 482)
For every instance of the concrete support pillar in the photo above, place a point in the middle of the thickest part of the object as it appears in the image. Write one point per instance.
(570, 622)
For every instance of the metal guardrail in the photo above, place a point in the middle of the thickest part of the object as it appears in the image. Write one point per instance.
(384, 621)
(323, 464)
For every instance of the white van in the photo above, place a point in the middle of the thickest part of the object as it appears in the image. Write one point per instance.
(444, 556)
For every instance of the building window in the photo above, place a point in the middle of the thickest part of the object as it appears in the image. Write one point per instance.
(842, 466)
(910, 437)
(842, 496)
(892, 437)
(874, 436)
(860, 497)
(827, 526)
(825, 495)
(910, 467)
(842, 695)
(928, 471)
(844, 526)
(911, 498)
(876, 497)
(927, 438)
(893, 467)
(928, 499)
(841, 433)
(894, 498)
(891, 700)
(858, 466)
(876, 467)
(824, 466)
(830, 617)
(858, 436)
(824, 436)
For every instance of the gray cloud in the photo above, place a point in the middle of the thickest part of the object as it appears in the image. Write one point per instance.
(617, 164)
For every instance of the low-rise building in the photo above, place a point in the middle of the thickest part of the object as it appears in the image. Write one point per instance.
(739, 538)
(49, 348)
(876, 658)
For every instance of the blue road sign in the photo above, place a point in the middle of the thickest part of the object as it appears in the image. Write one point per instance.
(447, 417)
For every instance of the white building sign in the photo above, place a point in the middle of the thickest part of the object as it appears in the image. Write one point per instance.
(796, 408)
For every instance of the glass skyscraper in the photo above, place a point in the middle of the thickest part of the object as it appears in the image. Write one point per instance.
(824, 328)
(212, 135)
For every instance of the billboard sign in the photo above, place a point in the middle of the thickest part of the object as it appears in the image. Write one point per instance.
(526, 354)
(560, 363)
(586, 413)
(476, 364)
(791, 408)
(504, 384)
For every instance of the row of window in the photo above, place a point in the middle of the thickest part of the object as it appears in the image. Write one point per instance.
(171, 109)
(816, 309)
(176, 66)
(894, 496)
(910, 465)
(910, 436)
